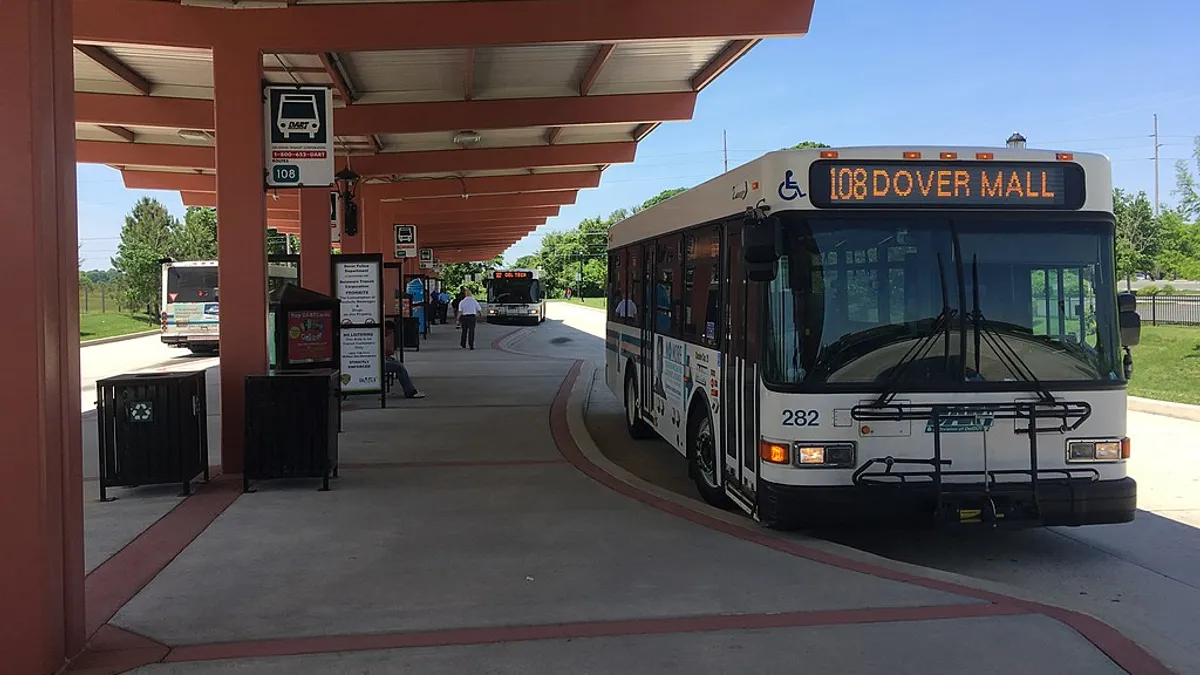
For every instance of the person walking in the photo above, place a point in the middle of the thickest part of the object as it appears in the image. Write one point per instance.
(468, 316)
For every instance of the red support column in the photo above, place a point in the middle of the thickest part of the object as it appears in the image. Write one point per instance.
(41, 567)
(314, 239)
(237, 74)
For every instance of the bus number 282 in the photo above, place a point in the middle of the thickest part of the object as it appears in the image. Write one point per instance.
(801, 418)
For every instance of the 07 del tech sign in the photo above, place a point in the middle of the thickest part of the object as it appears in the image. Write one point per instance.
(298, 136)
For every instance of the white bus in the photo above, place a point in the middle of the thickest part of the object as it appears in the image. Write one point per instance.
(515, 295)
(865, 334)
(190, 315)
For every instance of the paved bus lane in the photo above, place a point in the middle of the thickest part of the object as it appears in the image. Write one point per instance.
(1142, 577)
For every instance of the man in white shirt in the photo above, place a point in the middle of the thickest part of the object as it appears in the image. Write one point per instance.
(468, 315)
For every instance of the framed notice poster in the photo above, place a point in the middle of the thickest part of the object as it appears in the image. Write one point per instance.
(310, 335)
(362, 360)
(358, 283)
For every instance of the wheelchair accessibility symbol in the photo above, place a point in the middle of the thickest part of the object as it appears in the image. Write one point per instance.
(788, 189)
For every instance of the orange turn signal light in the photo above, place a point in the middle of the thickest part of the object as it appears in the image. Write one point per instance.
(1064, 156)
(775, 453)
(910, 154)
(829, 154)
(948, 155)
(985, 155)
(1126, 448)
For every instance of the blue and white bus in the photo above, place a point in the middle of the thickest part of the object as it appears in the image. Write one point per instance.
(191, 312)
(867, 333)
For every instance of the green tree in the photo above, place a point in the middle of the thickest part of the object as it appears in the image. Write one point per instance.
(1138, 240)
(145, 241)
(469, 275)
(807, 145)
(528, 262)
(1186, 188)
(196, 237)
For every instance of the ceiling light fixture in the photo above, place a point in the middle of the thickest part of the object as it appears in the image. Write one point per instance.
(464, 138)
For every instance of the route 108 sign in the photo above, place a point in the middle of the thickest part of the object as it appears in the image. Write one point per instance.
(298, 136)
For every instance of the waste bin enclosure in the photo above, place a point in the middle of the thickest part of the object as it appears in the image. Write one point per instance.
(153, 429)
(292, 425)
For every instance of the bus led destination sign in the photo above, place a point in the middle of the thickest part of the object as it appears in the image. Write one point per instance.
(946, 184)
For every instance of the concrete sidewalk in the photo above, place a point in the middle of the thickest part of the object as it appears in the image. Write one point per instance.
(478, 530)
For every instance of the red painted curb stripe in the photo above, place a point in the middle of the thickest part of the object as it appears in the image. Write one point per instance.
(589, 629)
(1123, 651)
(450, 464)
(121, 577)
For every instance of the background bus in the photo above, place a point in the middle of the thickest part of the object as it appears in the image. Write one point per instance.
(190, 316)
(868, 333)
(515, 295)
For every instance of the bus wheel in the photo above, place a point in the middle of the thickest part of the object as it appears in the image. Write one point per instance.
(636, 426)
(704, 458)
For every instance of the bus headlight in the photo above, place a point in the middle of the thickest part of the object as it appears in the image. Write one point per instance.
(839, 455)
(1095, 451)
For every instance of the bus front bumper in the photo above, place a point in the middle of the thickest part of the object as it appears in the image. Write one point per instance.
(1059, 502)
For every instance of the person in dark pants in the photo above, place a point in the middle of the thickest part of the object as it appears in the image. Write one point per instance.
(468, 315)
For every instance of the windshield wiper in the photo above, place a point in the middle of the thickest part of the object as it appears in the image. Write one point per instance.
(918, 351)
(984, 332)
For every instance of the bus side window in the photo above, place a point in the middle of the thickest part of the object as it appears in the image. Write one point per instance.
(702, 287)
(616, 285)
(634, 288)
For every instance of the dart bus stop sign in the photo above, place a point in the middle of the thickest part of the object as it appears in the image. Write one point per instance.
(299, 136)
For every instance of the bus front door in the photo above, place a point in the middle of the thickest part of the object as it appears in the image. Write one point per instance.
(739, 399)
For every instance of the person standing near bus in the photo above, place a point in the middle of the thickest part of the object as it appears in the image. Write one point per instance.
(468, 316)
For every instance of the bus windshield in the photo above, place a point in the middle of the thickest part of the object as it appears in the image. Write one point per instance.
(853, 297)
(191, 284)
(512, 291)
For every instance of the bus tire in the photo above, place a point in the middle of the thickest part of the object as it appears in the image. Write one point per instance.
(704, 458)
(634, 424)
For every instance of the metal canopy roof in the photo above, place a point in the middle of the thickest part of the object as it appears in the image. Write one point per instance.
(532, 78)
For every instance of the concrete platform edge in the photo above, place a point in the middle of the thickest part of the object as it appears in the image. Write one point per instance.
(117, 338)
(1152, 406)
(1122, 650)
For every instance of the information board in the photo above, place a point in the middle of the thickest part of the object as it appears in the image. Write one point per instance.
(362, 359)
(357, 284)
(298, 136)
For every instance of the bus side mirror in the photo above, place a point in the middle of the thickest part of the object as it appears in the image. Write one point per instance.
(1129, 320)
(762, 247)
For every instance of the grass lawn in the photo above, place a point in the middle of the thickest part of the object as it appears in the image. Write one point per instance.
(595, 303)
(1166, 365)
(97, 326)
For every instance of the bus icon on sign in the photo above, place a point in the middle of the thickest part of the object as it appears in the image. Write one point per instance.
(298, 115)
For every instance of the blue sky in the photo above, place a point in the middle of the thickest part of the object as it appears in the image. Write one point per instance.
(1083, 75)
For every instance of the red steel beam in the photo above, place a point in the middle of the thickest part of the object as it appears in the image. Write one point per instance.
(106, 60)
(335, 74)
(491, 159)
(513, 113)
(456, 187)
(364, 120)
(721, 62)
(145, 154)
(469, 74)
(593, 71)
(383, 164)
(467, 224)
(480, 218)
(120, 132)
(144, 111)
(169, 180)
(481, 203)
(283, 200)
(315, 28)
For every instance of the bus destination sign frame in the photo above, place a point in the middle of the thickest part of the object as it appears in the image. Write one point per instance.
(947, 184)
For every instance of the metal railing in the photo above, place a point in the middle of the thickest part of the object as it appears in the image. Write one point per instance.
(1161, 308)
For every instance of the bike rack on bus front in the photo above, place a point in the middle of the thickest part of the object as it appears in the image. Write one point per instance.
(1068, 416)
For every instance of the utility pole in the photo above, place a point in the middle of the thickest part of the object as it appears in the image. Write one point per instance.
(1157, 145)
(725, 148)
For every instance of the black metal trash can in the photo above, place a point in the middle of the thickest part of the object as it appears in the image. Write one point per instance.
(153, 429)
(292, 426)
(411, 333)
